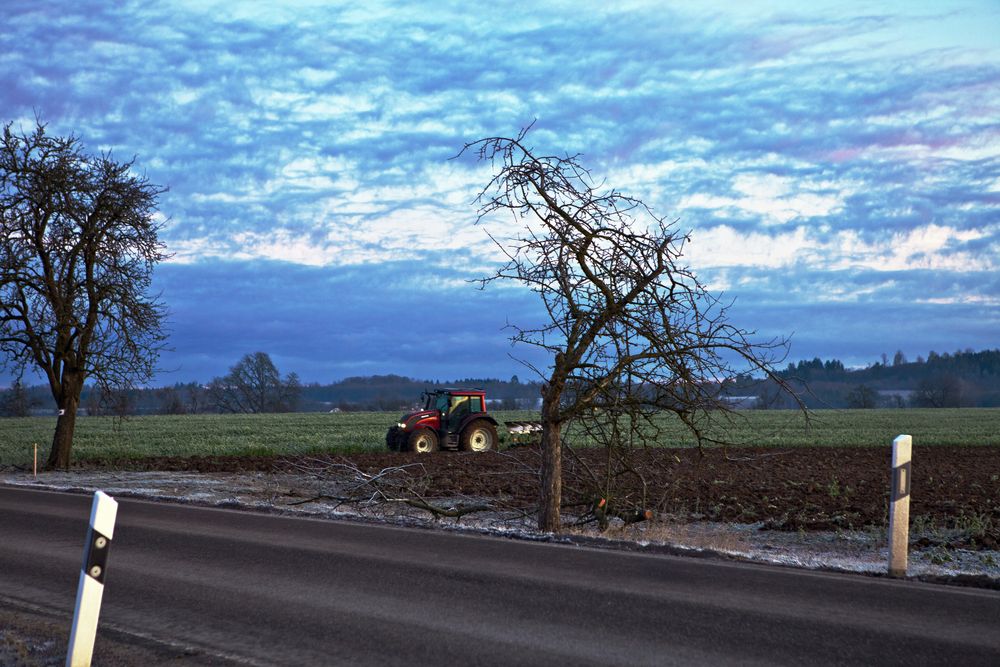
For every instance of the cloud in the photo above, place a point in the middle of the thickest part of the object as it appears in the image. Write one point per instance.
(773, 199)
(802, 146)
(931, 247)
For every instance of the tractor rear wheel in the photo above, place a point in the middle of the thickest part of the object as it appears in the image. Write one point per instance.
(423, 441)
(479, 436)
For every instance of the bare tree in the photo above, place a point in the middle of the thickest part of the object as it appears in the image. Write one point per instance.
(862, 396)
(170, 401)
(16, 401)
(254, 385)
(629, 328)
(941, 390)
(78, 243)
(197, 399)
(101, 402)
(771, 395)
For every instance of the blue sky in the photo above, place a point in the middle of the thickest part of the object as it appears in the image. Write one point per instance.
(838, 165)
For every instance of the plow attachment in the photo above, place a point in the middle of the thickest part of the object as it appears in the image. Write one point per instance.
(524, 433)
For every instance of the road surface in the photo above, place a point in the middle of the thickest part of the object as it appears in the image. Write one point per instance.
(267, 589)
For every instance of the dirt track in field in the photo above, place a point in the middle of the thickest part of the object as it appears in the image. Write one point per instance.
(794, 489)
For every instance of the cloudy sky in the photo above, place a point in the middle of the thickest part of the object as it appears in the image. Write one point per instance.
(838, 166)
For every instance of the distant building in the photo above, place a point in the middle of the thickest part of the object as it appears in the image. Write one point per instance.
(741, 402)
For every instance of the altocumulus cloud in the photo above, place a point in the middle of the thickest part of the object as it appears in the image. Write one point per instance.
(839, 166)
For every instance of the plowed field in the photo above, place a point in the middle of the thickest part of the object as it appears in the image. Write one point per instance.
(799, 488)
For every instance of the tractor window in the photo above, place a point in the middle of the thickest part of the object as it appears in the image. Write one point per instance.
(441, 403)
(461, 406)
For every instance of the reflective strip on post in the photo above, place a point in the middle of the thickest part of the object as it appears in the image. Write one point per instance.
(91, 589)
(899, 505)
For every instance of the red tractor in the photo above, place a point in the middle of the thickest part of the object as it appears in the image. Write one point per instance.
(451, 419)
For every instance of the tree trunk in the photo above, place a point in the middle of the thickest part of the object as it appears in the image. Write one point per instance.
(62, 441)
(549, 519)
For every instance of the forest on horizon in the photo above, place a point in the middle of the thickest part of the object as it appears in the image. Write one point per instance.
(959, 379)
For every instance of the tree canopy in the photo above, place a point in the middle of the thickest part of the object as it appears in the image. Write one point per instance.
(254, 385)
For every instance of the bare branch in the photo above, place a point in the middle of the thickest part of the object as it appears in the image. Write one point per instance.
(347, 484)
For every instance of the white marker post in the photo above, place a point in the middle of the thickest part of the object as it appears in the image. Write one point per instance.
(899, 505)
(91, 588)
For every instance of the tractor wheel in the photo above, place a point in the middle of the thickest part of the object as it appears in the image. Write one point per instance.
(479, 436)
(423, 441)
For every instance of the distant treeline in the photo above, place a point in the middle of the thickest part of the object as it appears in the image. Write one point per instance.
(961, 379)
(395, 392)
(378, 392)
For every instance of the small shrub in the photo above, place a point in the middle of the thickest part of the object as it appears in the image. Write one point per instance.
(940, 556)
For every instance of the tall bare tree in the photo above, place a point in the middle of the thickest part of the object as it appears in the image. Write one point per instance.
(629, 328)
(863, 397)
(78, 243)
(16, 401)
(940, 390)
(254, 385)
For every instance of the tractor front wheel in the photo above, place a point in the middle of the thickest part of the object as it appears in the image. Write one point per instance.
(479, 436)
(423, 441)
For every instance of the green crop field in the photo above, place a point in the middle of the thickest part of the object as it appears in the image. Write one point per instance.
(306, 433)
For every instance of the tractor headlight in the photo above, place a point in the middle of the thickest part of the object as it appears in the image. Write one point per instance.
(401, 425)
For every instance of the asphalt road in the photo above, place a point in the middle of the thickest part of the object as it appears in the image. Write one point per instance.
(291, 591)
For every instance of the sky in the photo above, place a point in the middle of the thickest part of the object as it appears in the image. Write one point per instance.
(836, 163)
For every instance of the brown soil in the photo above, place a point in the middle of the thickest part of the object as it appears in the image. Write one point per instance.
(794, 489)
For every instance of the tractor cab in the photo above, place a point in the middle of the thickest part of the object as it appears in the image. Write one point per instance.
(454, 406)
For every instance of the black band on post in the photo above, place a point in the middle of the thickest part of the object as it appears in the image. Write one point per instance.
(95, 559)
